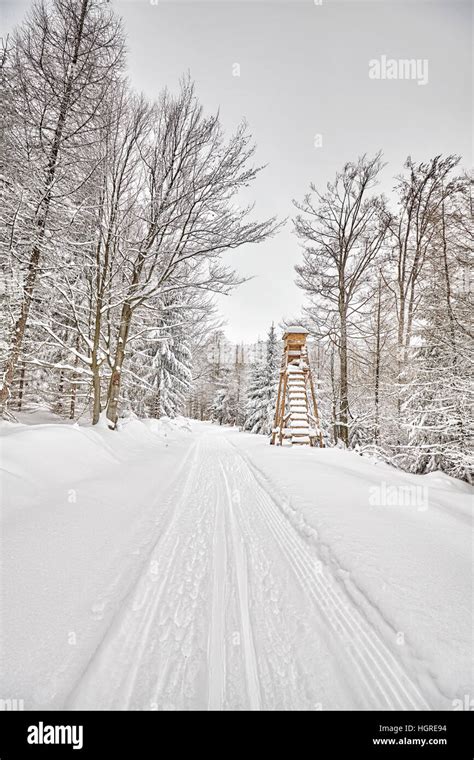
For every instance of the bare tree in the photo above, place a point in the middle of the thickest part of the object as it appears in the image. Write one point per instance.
(421, 193)
(188, 215)
(342, 231)
(65, 56)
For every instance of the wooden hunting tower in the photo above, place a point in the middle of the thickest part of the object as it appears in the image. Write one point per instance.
(296, 413)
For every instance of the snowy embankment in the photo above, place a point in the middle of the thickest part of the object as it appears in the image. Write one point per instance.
(158, 568)
(80, 506)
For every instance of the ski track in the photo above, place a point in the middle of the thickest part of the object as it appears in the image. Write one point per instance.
(381, 672)
(235, 610)
(216, 649)
(240, 558)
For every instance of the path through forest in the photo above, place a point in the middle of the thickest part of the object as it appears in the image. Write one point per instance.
(185, 565)
(234, 609)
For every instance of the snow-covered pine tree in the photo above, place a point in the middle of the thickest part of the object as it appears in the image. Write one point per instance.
(160, 374)
(173, 376)
(437, 408)
(255, 410)
(239, 385)
(205, 374)
(261, 395)
(437, 399)
(218, 408)
(223, 408)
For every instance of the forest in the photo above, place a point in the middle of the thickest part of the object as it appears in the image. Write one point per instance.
(119, 219)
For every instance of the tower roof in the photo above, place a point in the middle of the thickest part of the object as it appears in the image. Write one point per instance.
(298, 329)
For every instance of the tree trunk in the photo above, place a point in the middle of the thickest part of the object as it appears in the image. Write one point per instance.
(377, 366)
(452, 323)
(21, 386)
(157, 404)
(400, 347)
(95, 364)
(42, 215)
(344, 389)
(113, 395)
(96, 408)
(20, 325)
(335, 431)
(72, 408)
(59, 405)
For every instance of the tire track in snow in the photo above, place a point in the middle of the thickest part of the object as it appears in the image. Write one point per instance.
(376, 664)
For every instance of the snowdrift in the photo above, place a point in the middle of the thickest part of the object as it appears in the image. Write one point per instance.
(35, 458)
(80, 506)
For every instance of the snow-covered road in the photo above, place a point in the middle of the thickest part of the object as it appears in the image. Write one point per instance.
(234, 610)
(229, 601)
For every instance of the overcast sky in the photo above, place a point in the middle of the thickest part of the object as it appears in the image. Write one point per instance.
(304, 71)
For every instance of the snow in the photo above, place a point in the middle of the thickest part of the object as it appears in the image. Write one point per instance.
(79, 507)
(407, 568)
(182, 565)
(296, 329)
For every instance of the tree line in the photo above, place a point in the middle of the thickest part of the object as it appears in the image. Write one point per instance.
(389, 310)
(118, 215)
(390, 305)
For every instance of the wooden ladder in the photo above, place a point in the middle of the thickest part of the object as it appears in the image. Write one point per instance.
(296, 413)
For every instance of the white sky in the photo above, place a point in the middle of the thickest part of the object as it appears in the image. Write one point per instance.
(304, 71)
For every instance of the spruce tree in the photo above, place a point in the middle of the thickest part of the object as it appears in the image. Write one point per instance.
(260, 409)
